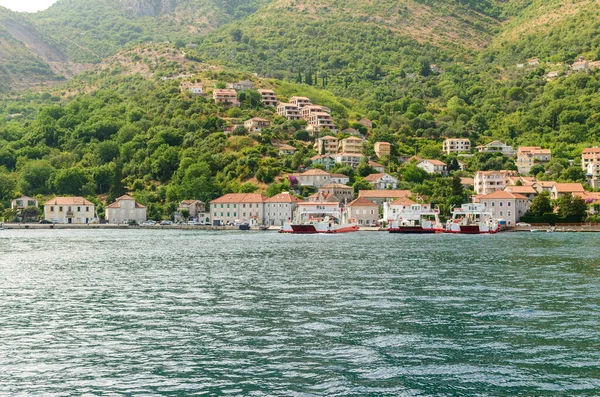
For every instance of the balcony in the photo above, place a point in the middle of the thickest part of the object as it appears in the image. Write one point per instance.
(70, 214)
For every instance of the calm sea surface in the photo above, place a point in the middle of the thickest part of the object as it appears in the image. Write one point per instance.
(178, 313)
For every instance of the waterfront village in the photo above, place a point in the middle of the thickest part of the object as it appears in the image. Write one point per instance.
(319, 190)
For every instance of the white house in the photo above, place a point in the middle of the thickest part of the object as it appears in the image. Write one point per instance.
(528, 156)
(382, 181)
(497, 147)
(348, 159)
(125, 210)
(340, 178)
(434, 166)
(315, 178)
(280, 209)
(70, 210)
(487, 182)
(506, 205)
(456, 145)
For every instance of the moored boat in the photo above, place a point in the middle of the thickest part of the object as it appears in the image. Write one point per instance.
(472, 219)
(321, 218)
(417, 219)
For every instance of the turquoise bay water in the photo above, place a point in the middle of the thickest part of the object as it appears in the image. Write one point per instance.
(178, 313)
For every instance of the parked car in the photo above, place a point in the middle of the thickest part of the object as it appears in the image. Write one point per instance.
(166, 223)
(149, 223)
(45, 222)
(523, 224)
(193, 223)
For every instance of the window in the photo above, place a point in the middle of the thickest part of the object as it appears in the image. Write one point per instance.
(508, 203)
(214, 214)
(221, 205)
(227, 205)
(500, 203)
(221, 214)
(493, 203)
(60, 209)
(51, 209)
(501, 214)
(234, 214)
(78, 209)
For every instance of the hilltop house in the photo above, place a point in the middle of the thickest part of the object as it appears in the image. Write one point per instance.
(376, 166)
(528, 156)
(351, 144)
(315, 178)
(590, 155)
(70, 210)
(318, 121)
(456, 145)
(227, 98)
(348, 159)
(288, 110)
(268, 98)
(241, 85)
(434, 166)
(256, 124)
(497, 147)
(326, 145)
(194, 88)
(383, 149)
(382, 181)
(23, 202)
(300, 101)
(125, 210)
(340, 178)
(323, 159)
(344, 193)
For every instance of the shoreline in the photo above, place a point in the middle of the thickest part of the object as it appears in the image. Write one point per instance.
(36, 226)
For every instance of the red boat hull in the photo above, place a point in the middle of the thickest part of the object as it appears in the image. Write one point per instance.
(412, 230)
(310, 229)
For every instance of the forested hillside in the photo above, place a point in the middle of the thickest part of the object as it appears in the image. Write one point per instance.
(420, 70)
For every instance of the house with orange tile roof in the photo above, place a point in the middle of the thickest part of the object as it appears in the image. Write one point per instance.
(456, 145)
(226, 97)
(392, 210)
(319, 121)
(381, 196)
(126, 210)
(528, 156)
(487, 182)
(590, 155)
(382, 181)
(340, 178)
(300, 101)
(256, 124)
(364, 211)
(352, 144)
(280, 209)
(348, 159)
(196, 210)
(527, 191)
(288, 111)
(323, 159)
(376, 166)
(70, 210)
(505, 205)
(236, 208)
(326, 145)
(315, 178)
(562, 189)
(434, 167)
(382, 149)
(343, 192)
(268, 97)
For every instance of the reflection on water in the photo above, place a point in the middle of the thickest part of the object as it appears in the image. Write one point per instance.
(200, 313)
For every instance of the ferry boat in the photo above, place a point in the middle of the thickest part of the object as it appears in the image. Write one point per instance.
(417, 219)
(472, 219)
(325, 218)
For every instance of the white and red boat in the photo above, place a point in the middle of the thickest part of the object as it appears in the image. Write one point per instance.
(417, 219)
(325, 225)
(472, 219)
(320, 217)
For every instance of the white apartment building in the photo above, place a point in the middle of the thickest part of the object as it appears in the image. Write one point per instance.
(497, 147)
(351, 144)
(315, 178)
(456, 145)
(288, 110)
(528, 156)
(317, 121)
(268, 98)
(300, 101)
(590, 155)
(226, 97)
(348, 159)
(382, 181)
(434, 166)
(326, 145)
(486, 182)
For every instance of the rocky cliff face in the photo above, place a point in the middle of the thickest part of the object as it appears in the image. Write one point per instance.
(141, 8)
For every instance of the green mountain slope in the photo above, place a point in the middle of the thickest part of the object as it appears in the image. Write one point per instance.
(25, 59)
(90, 30)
